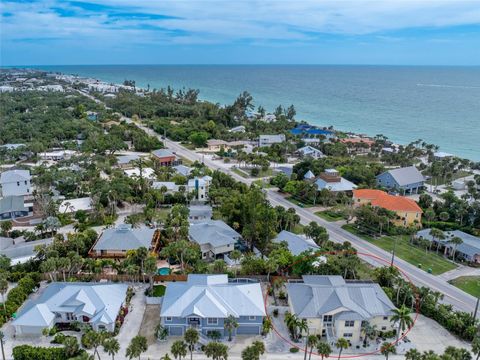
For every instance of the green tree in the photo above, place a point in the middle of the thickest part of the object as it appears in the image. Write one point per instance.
(386, 349)
(324, 349)
(179, 349)
(312, 342)
(216, 351)
(2, 339)
(93, 339)
(341, 344)
(6, 226)
(3, 289)
(253, 351)
(191, 337)
(150, 268)
(413, 354)
(455, 241)
(71, 347)
(230, 324)
(476, 346)
(403, 318)
(137, 346)
(111, 346)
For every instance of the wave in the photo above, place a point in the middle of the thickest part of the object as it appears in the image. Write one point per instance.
(450, 86)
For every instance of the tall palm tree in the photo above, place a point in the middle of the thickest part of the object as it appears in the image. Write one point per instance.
(413, 354)
(302, 327)
(216, 351)
(312, 341)
(191, 338)
(179, 349)
(70, 346)
(455, 241)
(369, 331)
(403, 318)
(111, 346)
(388, 349)
(475, 346)
(341, 344)
(230, 324)
(2, 337)
(437, 234)
(323, 349)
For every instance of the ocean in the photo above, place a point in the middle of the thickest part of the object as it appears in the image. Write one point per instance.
(440, 105)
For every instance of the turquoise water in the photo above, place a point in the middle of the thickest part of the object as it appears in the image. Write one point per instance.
(163, 271)
(440, 105)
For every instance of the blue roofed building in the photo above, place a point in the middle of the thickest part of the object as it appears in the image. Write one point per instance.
(204, 302)
(215, 238)
(296, 244)
(407, 180)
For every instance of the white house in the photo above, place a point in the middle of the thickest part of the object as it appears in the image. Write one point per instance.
(15, 183)
(268, 140)
(199, 186)
(90, 303)
(310, 151)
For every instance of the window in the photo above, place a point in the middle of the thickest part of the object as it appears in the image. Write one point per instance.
(252, 318)
(384, 328)
(327, 318)
(212, 321)
(347, 335)
(385, 318)
(168, 318)
(349, 323)
(18, 183)
(71, 316)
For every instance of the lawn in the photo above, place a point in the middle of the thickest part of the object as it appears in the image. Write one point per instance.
(441, 180)
(298, 229)
(162, 213)
(263, 184)
(299, 203)
(469, 284)
(158, 290)
(408, 252)
(329, 215)
(240, 172)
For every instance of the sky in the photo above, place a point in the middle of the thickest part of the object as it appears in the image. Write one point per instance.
(392, 32)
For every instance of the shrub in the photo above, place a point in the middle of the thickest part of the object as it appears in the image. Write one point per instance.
(27, 352)
(294, 350)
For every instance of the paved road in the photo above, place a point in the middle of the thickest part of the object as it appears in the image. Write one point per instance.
(452, 295)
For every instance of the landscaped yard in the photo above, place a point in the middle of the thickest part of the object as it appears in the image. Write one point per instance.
(298, 229)
(158, 290)
(299, 203)
(330, 215)
(441, 180)
(408, 252)
(240, 172)
(469, 284)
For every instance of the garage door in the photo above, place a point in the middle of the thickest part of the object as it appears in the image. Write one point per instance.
(248, 330)
(175, 330)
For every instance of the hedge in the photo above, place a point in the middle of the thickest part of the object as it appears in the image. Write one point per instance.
(27, 352)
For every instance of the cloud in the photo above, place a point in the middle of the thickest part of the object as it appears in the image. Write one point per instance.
(199, 21)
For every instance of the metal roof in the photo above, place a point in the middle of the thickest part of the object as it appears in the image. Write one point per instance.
(14, 176)
(406, 176)
(213, 232)
(124, 237)
(342, 185)
(100, 302)
(163, 153)
(12, 203)
(212, 296)
(319, 295)
(296, 244)
(470, 245)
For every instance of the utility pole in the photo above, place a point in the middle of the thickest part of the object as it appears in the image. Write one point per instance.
(393, 252)
(476, 309)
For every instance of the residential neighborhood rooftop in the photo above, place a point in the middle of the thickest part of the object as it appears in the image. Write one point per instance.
(124, 237)
(214, 232)
(390, 202)
(296, 244)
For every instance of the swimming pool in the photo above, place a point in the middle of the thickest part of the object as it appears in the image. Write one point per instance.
(163, 271)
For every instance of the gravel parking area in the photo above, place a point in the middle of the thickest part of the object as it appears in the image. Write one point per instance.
(151, 318)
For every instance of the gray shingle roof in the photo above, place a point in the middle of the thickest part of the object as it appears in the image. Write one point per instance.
(213, 232)
(12, 203)
(296, 244)
(200, 211)
(163, 153)
(124, 237)
(407, 175)
(212, 296)
(323, 294)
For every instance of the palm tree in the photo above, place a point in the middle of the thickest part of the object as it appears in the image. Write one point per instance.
(70, 346)
(324, 349)
(437, 234)
(111, 346)
(191, 338)
(475, 347)
(302, 326)
(230, 324)
(291, 322)
(179, 349)
(402, 316)
(455, 241)
(2, 337)
(166, 357)
(3, 289)
(216, 351)
(413, 354)
(93, 340)
(138, 345)
(312, 341)
(388, 349)
(341, 344)
(369, 331)
(150, 269)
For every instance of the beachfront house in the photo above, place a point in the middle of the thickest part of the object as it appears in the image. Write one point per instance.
(407, 210)
(331, 180)
(215, 238)
(204, 302)
(268, 140)
(407, 180)
(115, 242)
(95, 304)
(335, 308)
(15, 183)
(296, 244)
(468, 250)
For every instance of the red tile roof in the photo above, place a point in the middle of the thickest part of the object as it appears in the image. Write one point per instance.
(390, 202)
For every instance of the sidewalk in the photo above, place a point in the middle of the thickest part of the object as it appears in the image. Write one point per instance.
(461, 270)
